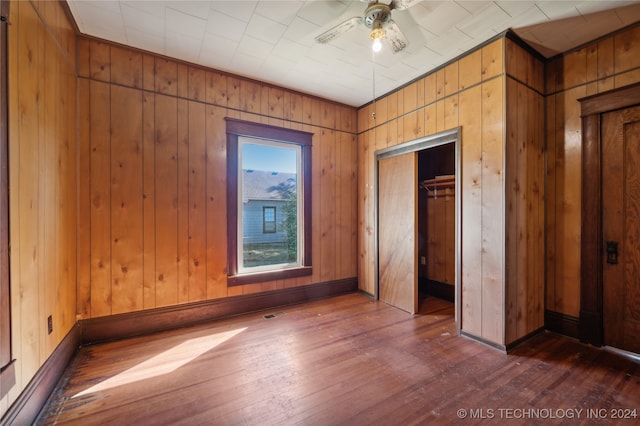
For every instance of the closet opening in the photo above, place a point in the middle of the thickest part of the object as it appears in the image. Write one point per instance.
(417, 230)
(436, 219)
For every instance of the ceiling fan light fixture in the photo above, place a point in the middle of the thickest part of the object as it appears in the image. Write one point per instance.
(377, 34)
(377, 45)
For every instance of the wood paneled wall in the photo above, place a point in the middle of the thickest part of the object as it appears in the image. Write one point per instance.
(152, 192)
(42, 183)
(469, 93)
(525, 191)
(495, 94)
(606, 64)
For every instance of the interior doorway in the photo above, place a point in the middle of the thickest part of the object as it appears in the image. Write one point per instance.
(418, 223)
(621, 228)
(608, 292)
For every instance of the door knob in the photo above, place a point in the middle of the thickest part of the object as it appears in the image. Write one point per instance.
(612, 252)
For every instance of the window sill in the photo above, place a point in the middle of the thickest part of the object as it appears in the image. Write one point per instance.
(269, 276)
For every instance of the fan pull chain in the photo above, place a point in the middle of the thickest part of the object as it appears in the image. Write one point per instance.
(373, 113)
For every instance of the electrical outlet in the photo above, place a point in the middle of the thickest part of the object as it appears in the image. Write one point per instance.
(50, 324)
(423, 260)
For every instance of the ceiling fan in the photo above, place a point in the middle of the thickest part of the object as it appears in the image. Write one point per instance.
(376, 17)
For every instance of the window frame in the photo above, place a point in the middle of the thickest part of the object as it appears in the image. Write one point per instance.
(265, 221)
(238, 128)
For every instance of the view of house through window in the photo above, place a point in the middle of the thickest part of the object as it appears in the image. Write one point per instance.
(269, 214)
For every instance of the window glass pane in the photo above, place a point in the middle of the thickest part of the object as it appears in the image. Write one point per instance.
(269, 183)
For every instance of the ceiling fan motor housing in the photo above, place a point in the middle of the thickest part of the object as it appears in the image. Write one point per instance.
(376, 13)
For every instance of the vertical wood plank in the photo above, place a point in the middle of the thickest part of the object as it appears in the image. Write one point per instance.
(295, 107)
(216, 180)
(126, 200)
(182, 80)
(569, 214)
(470, 70)
(42, 177)
(197, 202)
(233, 93)
(381, 110)
(512, 237)
(327, 115)
(184, 183)
(148, 72)
(83, 301)
(392, 106)
(451, 79)
(317, 174)
(471, 216)
(575, 68)
(440, 109)
(100, 200)
(216, 89)
(439, 84)
(100, 61)
(166, 76)
(451, 112)
(493, 211)
(166, 205)
(126, 67)
(149, 199)
(250, 96)
(84, 57)
(341, 189)
(550, 202)
(410, 97)
(365, 161)
(197, 84)
(430, 89)
(492, 59)
(327, 242)
(430, 119)
(354, 170)
(538, 218)
(627, 45)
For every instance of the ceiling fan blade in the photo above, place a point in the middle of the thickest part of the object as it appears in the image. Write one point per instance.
(339, 29)
(403, 4)
(395, 37)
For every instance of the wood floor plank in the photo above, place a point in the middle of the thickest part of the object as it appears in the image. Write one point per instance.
(343, 360)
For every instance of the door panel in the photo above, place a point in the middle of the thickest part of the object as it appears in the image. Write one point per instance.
(621, 225)
(397, 228)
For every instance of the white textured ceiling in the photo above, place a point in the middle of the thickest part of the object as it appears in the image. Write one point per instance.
(273, 41)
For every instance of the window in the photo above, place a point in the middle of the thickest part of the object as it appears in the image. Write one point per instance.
(268, 220)
(268, 202)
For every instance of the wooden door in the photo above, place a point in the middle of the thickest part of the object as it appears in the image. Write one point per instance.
(397, 227)
(621, 225)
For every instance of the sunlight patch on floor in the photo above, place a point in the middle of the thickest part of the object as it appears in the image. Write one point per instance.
(165, 362)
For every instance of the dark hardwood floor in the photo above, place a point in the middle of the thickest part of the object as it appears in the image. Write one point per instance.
(347, 360)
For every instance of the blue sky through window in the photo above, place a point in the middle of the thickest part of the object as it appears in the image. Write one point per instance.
(268, 158)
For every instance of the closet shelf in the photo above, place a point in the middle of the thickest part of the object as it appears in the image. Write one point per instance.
(439, 182)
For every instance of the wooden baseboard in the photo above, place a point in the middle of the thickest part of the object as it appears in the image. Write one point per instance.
(562, 324)
(26, 408)
(438, 289)
(501, 348)
(512, 345)
(121, 326)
